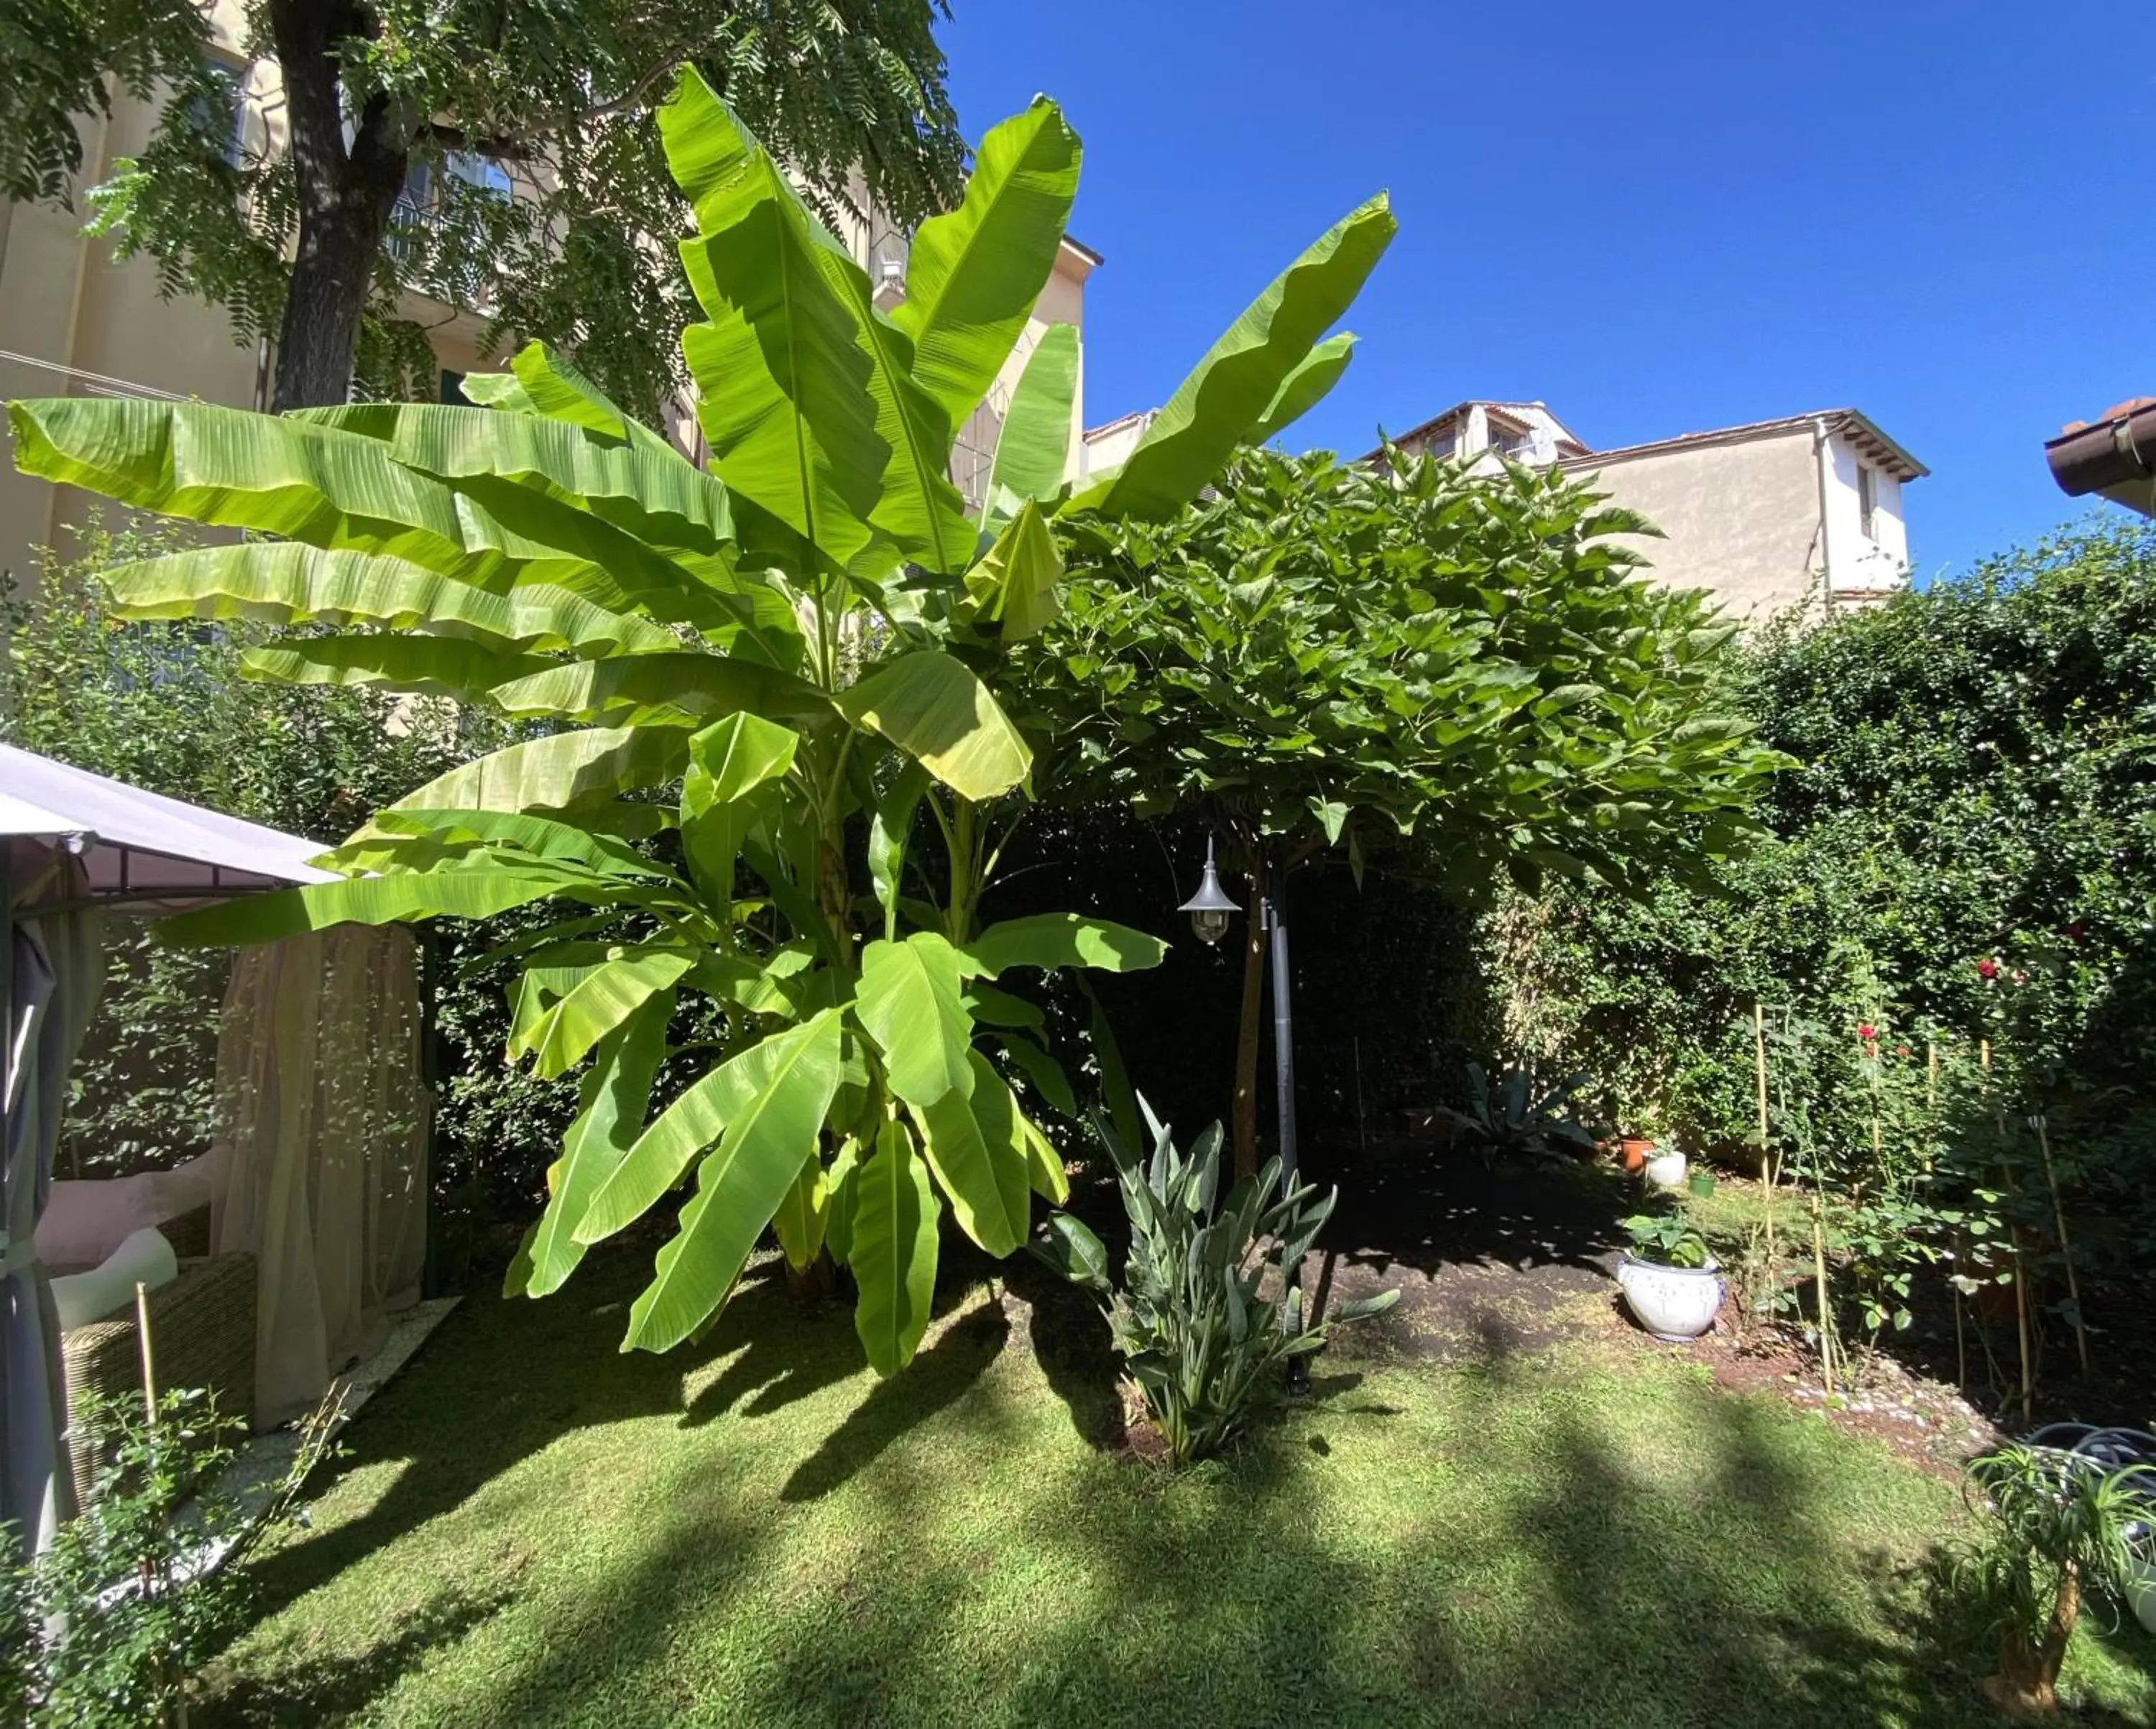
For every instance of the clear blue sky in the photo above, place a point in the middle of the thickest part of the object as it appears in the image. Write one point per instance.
(1657, 217)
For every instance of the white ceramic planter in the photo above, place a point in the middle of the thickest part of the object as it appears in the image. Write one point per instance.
(1666, 1170)
(2141, 1592)
(1672, 1303)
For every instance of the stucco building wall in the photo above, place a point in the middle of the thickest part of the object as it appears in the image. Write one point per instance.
(1739, 520)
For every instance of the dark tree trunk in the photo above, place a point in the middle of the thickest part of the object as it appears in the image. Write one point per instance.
(1243, 1121)
(345, 196)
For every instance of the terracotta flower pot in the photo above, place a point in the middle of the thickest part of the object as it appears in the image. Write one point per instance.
(1637, 1149)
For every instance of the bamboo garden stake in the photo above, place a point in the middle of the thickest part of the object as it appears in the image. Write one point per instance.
(2066, 1247)
(2013, 1238)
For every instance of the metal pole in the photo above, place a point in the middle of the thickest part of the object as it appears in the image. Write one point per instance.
(1298, 1367)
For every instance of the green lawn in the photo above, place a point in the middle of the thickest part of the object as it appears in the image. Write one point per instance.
(533, 1530)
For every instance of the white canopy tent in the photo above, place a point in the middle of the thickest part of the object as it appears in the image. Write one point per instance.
(320, 1148)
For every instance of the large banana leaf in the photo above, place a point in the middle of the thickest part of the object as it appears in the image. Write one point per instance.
(1033, 451)
(588, 846)
(334, 488)
(806, 389)
(908, 999)
(727, 791)
(611, 1103)
(563, 772)
(602, 1001)
(284, 582)
(576, 446)
(477, 893)
(1235, 384)
(1012, 591)
(423, 665)
(934, 709)
(678, 689)
(978, 1149)
(1305, 386)
(803, 1217)
(891, 1249)
(1050, 939)
(692, 1123)
(974, 272)
(740, 1185)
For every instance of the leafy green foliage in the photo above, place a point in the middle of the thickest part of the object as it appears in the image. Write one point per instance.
(107, 1628)
(1667, 1238)
(1960, 858)
(531, 171)
(1202, 1321)
(739, 675)
(1345, 656)
(161, 704)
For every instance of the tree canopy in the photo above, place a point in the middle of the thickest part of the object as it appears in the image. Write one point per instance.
(1466, 671)
(410, 124)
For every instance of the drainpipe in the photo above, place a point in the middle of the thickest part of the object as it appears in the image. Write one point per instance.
(1820, 460)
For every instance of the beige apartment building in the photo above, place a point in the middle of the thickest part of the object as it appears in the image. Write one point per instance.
(74, 320)
(1804, 512)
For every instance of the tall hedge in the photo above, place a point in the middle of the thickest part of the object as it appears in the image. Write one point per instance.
(1967, 853)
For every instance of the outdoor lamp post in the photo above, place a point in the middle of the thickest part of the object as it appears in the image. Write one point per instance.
(1209, 908)
(1210, 911)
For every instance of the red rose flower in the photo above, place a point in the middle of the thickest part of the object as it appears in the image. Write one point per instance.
(1867, 1031)
(1987, 970)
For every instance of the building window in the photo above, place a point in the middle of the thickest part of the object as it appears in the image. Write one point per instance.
(1868, 501)
(218, 110)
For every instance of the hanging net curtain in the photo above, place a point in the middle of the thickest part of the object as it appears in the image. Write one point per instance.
(322, 1126)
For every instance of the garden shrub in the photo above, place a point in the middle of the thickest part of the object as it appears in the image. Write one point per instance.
(1962, 857)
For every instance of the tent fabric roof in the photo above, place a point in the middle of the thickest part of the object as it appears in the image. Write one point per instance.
(141, 846)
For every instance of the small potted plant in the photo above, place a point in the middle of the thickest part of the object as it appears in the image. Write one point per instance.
(1671, 1283)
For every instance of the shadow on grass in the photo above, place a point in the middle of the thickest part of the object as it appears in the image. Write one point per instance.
(938, 1376)
(1503, 1543)
(318, 1690)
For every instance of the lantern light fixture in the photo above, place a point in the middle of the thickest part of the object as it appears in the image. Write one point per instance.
(1209, 908)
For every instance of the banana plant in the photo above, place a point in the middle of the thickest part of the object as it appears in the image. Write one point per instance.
(768, 773)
